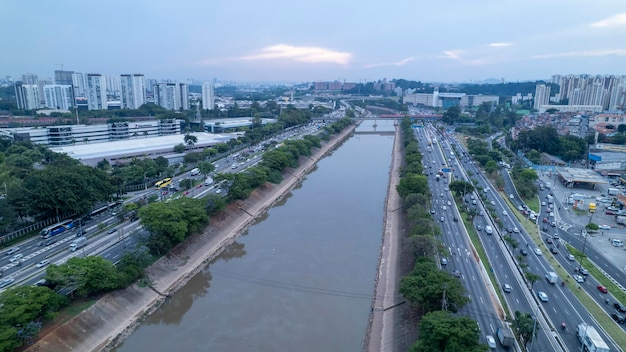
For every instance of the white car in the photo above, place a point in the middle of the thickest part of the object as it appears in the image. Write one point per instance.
(6, 281)
(491, 342)
(511, 196)
(604, 227)
(505, 213)
(516, 230)
(542, 296)
(507, 288)
(571, 257)
(537, 251)
(579, 279)
(16, 258)
(43, 263)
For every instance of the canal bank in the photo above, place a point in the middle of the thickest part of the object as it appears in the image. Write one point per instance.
(116, 315)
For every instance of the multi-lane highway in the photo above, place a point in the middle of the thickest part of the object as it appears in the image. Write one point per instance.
(562, 306)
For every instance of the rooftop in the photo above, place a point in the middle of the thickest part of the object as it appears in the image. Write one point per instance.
(580, 175)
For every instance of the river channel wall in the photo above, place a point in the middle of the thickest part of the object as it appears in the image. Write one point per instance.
(105, 324)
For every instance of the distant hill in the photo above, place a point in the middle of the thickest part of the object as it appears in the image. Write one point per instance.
(492, 81)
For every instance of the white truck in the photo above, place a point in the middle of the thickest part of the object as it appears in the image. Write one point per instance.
(552, 277)
(621, 220)
(78, 243)
(612, 191)
(488, 230)
(208, 181)
(591, 340)
(550, 199)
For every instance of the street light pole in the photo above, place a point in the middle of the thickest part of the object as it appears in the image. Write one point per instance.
(582, 255)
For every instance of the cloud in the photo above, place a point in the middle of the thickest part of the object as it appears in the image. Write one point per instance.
(452, 54)
(306, 54)
(613, 21)
(586, 53)
(499, 45)
(397, 63)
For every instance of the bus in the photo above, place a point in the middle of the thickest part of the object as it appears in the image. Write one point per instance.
(56, 229)
(159, 184)
(166, 184)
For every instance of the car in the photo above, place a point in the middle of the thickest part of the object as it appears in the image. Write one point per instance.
(493, 202)
(113, 230)
(524, 252)
(610, 212)
(455, 219)
(545, 220)
(505, 213)
(234, 166)
(218, 191)
(509, 230)
(542, 296)
(516, 230)
(491, 342)
(440, 194)
(16, 258)
(544, 229)
(571, 257)
(511, 196)
(507, 288)
(618, 318)
(520, 208)
(456, 274)
(12, 251)
(199, 186)
(553, 224)
(602, 288)
(583, 272)
(537, 251)
(543, 204)
(619, 307)
(444, 261)
(432, 211)
(442, 219)
(479, 228)
(446, 189)
(6, 281)
(481, 213)
(549, 240)
(43, 263)
(553, 250)
(449, 203)
(612, 208)
(578, 279)
(556, 236)
(604, 227)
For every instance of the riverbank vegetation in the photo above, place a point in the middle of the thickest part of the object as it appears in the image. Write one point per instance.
(426, 285)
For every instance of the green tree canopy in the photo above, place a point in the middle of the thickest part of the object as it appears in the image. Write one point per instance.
(441, 331)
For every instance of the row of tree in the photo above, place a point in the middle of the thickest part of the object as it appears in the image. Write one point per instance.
(426, 285)
(545, 139)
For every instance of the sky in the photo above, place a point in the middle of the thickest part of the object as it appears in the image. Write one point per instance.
(321, 40)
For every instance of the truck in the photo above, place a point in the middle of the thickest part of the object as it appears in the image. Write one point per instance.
(505, 336)
(590, 339)
(548, 185)
(78, 243)
(195, 172)
(437, 178)
(550, 199)
(488, 230)
(612, 191)
(592, 207)
(208, 181)
(552, 277)
(621, 220)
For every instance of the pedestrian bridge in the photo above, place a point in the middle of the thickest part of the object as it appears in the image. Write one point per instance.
(431, 117)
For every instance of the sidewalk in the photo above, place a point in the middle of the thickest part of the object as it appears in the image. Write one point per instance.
(112, 318)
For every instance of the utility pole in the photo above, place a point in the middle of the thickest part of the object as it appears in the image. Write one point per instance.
(444, 303)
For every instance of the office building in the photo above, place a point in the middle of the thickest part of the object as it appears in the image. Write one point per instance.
(133, 91)
(58, 96)
(542, 96)
(96, 92)
(208, 97)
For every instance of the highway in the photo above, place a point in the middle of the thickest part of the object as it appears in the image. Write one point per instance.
(483, 306)
(562, 306)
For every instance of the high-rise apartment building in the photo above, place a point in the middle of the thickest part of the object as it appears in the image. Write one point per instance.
(113, 86)
(58, 96)
(208, 96)
(96, 92)
(133, 91)
(78, 82)
(172, 96)
(27, 96)
(542, 96)
(30, 78)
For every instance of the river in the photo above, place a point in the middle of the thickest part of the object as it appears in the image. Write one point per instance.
(301, 278)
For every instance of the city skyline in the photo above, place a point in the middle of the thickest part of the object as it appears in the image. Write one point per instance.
(328, 40)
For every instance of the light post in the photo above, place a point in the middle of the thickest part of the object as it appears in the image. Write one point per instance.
(532, 336)
(582, 255)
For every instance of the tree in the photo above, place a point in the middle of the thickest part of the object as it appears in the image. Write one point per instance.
(89, 275)
(621, 128)
(412, 184)
(524, 326)
(461, 188)
(205, 167)
(532, 278)
(451, 115)
(179, 148)
(491, 167)
(441, 331)
(190, 140)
